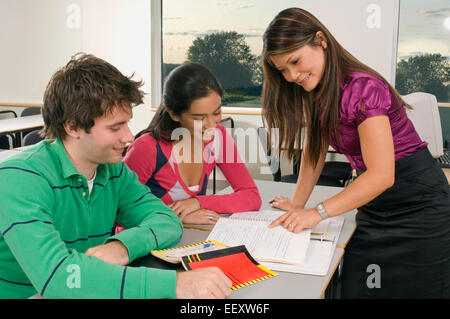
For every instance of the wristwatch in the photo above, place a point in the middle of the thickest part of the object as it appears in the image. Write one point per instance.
(322, 211)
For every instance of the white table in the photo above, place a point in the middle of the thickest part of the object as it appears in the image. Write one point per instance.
(270, 189)
(285, 285)
(289, 285)
(5, 154)
(20, 124)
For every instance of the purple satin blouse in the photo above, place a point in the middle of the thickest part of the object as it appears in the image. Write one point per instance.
(364, 96)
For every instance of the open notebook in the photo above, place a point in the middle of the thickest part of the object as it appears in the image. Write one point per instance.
(174, 255)
(320, 245)
(264, 244)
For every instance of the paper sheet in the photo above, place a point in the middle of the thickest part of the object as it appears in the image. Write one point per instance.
(263, 243)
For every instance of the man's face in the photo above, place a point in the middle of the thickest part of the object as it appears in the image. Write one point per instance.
(108, 137)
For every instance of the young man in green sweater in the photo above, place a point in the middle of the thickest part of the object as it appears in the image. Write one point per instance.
(59, 201)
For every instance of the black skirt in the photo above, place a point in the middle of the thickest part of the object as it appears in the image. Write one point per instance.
(401, 245)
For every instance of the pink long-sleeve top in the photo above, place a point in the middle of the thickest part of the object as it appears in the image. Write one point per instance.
(156, 167)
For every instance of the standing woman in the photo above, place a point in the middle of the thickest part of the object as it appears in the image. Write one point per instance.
(183, 143)
(402, 196)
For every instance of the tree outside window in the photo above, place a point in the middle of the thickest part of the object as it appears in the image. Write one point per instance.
(424, 53)
(226, 37)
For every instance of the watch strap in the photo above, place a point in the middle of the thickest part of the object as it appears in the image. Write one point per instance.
(322, 211)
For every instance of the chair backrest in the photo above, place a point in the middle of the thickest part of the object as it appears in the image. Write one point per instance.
(32, 138)
(426, 119)
(6, 114)
(31, 111)
(6, 141)
(273, 158)
(227, 122)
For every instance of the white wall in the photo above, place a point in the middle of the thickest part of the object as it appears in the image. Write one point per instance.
(40, 36)
(35, 42)
(366, 28)
(118, 31)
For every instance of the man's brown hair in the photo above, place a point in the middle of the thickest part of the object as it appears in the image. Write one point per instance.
(83, 90)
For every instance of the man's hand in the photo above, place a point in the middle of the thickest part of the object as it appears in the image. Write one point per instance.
(204, 283)
(113, 252)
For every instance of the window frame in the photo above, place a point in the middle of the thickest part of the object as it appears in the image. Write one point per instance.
(156, 65)
(156, 53)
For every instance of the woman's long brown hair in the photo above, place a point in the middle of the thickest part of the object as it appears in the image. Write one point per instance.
(287, 106)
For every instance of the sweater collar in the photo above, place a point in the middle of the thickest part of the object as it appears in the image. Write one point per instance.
(68, 169)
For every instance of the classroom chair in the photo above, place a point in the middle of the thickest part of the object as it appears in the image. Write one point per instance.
(227, 122)
(7, 140)
(334, 173)
(28, 111)
(31, 138)
(426, 119)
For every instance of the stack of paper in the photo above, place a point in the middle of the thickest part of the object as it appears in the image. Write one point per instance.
(274, 248)
(264, 244)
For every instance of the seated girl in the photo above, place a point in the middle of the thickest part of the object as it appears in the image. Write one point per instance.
(176, 154)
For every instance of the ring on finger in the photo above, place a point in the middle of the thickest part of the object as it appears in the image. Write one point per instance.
(210, 217)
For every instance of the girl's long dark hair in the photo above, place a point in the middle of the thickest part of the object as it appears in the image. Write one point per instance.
(287, 106)
(183, 85)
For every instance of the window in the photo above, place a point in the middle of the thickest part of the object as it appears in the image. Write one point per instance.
(226, 36)
(223, 35)
(423, 58)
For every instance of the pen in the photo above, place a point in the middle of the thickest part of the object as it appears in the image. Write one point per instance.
(321, 234)
(321, 239)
